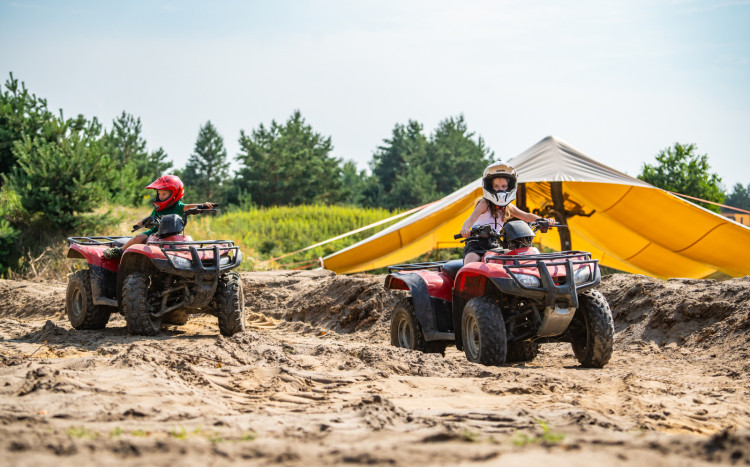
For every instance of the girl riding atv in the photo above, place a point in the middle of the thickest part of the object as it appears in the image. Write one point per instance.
(169, 191)
(499, 183)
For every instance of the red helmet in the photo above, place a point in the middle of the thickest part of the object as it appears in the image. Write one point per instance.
(173, 184)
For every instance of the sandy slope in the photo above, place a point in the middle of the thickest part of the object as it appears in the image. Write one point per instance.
(314, 381)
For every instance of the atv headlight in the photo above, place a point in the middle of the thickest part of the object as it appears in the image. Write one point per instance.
(528, 280)
(224, 260)
(582, 275)
(181, 262)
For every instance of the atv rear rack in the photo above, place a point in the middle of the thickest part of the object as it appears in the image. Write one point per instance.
(98, 241)
(416, 266)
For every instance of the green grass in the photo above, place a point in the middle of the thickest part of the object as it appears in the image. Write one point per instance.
(267, 233)
(263, 235)
(546, 437)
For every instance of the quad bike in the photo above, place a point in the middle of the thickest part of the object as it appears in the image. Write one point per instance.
(503, 307)
(159, 281)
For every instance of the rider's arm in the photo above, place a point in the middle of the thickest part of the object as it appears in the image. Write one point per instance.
(526, 216)
(206, 204)
(479, 209)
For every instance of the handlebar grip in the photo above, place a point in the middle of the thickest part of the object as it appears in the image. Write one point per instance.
(457, 236)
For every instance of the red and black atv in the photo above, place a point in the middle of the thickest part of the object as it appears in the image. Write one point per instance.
(503, 307)
(163, 279)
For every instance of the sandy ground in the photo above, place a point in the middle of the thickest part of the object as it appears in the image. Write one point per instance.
(314, 381)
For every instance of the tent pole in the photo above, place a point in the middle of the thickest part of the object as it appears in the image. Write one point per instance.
(558, 203)
(521, 199)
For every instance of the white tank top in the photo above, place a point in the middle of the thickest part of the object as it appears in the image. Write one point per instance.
(486, 218)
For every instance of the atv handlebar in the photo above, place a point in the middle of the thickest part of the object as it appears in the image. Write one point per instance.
(153, 221)
(484, 231)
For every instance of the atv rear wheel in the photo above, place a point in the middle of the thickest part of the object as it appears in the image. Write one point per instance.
(524, 351)
(406, 332)
(229, 304)
(79, 304)
(592, 330)
(135, 306)
(483, 332)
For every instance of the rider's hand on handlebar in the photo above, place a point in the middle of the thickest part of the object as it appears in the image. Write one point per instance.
(465, 232)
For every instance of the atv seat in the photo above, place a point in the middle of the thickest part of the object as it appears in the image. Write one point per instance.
(120, 241)
(451, 267)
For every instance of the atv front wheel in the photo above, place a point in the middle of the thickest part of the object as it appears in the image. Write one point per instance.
(135, 306)
(592, 330)
(406, 332)
(79, 304)
(229, 304)
(524, 351)
(483, 332)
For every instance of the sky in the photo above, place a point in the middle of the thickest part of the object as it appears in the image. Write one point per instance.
(618, 80)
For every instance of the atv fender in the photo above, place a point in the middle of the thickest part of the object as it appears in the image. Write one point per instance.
(103, 273)
(431, 296)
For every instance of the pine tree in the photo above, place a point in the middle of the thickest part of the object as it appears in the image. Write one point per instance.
(288, 164)
(207, 170)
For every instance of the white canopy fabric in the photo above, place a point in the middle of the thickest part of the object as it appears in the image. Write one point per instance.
(634, 227)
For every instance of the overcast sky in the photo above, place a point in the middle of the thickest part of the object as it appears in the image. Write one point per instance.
(618, 80)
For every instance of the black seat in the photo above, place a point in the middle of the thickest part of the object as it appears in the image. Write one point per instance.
(452, 267)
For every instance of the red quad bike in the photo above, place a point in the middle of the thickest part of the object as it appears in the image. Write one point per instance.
(500, 309)
(163, 279)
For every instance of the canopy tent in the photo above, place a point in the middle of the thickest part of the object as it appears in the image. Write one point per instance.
(624, 222)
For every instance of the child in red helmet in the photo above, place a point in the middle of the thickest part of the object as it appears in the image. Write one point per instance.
(169, 191)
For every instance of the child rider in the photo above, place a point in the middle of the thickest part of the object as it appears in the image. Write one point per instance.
(499, 183)
(169, 191)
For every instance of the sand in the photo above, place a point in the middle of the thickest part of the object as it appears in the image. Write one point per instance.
(315, 381)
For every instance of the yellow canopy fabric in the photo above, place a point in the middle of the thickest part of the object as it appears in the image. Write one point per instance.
(635, 226)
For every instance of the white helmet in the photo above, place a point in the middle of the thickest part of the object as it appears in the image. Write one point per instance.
(496, 170)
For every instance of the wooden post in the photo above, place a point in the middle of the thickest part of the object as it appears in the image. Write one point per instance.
(558, 203)
(521, 197)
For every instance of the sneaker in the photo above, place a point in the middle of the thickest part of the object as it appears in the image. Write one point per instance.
(112, 253)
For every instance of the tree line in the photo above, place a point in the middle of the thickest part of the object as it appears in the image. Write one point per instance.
(60, 168)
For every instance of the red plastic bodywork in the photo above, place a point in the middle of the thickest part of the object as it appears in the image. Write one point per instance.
(471, 280)
(439, 284)
(94, 254)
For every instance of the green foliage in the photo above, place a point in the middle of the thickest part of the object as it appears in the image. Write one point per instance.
(411, 169)
(739, 197)
(406, 148)
(11, 215)
(207, 169)
(456, 158)
(288, 165)
(132, 166)
(22, 114)
(265, 233)
(546, 437)
(681, 170)
(353, 184)
(63, 177)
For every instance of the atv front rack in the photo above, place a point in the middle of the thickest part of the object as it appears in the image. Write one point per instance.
(550, 290)
(195, 248)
